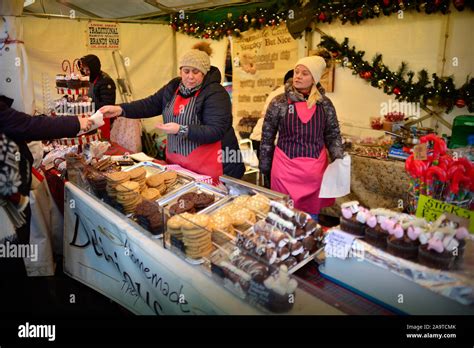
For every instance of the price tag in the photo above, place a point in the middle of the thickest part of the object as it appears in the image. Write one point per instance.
(338, 244)
(420, 152)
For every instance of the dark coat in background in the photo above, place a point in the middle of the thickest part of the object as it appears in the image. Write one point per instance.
(104, 89)
(22, 128)
(213, 108)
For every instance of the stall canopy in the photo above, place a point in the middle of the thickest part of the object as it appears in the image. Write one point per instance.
(132, 9)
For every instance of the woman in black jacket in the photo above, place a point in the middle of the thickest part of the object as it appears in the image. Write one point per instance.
(102, 87)
(197, 116)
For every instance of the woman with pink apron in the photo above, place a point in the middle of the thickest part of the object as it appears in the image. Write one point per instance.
(307, 128)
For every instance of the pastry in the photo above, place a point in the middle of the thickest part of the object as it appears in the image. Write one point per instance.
(155, 180)
(402, 244)
(241, 200)
(353, 218)
(151, 194)
(128, 186)
(243, 217)
(169, 177)
(296, 248)
(117, 177)
(137, 173)
(258, 203)
(182, 206)
(203, 200)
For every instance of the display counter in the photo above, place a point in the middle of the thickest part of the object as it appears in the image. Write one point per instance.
(118, 258)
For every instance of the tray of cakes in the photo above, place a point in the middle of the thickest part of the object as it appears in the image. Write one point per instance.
(285, 237)
(266, 286)
(195, 197)
(219, 218)
(157, 177)
(433, 261)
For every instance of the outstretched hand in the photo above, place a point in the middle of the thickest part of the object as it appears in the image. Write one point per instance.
(168, 128)
(111, 111)
(85, 123)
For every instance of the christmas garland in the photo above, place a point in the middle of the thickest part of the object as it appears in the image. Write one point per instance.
(437, 91)
(324, 11)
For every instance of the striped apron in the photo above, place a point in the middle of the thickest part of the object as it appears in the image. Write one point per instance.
(199, 158)
(295, 170)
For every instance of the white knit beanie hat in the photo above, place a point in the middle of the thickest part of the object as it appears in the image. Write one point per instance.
(315, 65)
(197, 58)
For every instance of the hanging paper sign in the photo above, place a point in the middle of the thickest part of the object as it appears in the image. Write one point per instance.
(420, 152)
(103, 35)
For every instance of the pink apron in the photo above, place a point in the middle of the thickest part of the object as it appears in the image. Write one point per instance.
(301, 177)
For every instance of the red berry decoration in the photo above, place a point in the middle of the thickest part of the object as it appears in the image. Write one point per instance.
(386, 2)
(459, 4)
(206, 36)
(368, 75)
(460, 103)
(396, 91)
(322, 17)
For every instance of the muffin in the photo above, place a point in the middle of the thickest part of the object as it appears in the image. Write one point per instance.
(353, 218)
(402, 244)
(375, 234)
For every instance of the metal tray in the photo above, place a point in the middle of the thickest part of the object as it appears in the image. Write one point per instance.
(195, 186)
(155, 168)
(237, 187)
(151, 168)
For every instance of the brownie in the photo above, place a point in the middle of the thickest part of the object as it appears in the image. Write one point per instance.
(376, 236)
(203, 200)
(146, 208)
(190, 196)
(352, 226)
(182, 206)
(433, 259)
(403, 247)
(156, 223)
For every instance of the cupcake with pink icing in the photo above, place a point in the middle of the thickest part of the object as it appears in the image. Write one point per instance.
(439, 249)
(353, 218)
(377, 226)
(403, 237)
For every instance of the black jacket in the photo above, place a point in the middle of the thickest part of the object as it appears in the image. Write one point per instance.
(21, 128)
(103, 91)
(213, 108)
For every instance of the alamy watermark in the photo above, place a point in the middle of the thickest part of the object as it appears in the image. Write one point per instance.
(236, 156)
(409, 109)
(12, 250)
(28, 330)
